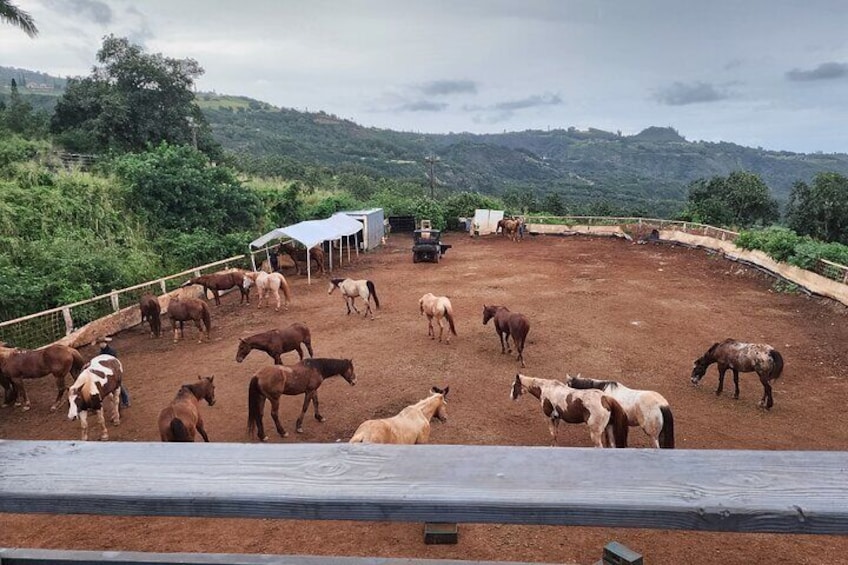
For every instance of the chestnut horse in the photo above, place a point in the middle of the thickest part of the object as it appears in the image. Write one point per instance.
(645, 408)
(605, 417)
(183, 309)
(741, 357)
(438, 307)
(222, 281)
(100, 379)
(181, 420)
(267, 283)
(508, 324)
(302, 378)
(351, 289)
(19, 364)
(277, 342)
(511, 228)
(411, 425)
(298, 255)
(152, 312)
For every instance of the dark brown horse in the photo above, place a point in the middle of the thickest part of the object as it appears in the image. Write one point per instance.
(302, 378)
(298, 255)
(508, 324)
(152, 312)
(740, 357)
(222, 281)
(19, 364)
(181, 420)
(180, 310)
(277, 342)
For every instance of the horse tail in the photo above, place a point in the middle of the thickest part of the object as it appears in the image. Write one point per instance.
(77, 363)
(286, 290)
(178, 430)
(449, 316)
(618, 420)
(666, 438)
(207, 318)
(255, 398)
(373, 292)
(777, 364)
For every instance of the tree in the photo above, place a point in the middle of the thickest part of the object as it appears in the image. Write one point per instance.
(553, 204)
(13, 15)
(740, 199)
(820, 210)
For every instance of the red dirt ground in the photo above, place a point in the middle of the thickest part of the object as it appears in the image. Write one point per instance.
(601, 307)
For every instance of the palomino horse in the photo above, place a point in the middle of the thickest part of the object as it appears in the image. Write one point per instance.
(356, 288)
(645, 408)
(605, 417)
(180, 310)
(222, 281)
(277, 342)
(741, 358)
(508, 324)
(301, 378)
(411, 425)
(298, 255)
(152, 312)
(99, 380)
(438, 307)
(19, 364)
(266, 283)
(181, 420)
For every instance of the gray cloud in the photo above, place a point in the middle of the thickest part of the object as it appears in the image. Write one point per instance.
(680, 94)
(825, 71)
(445, 87)
(94, 10)
(529, 102)
(422, 106)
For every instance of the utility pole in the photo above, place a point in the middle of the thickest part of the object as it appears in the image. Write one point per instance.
(432, 160)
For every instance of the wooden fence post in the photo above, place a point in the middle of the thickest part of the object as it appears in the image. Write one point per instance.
(69, 322)
(116, 305)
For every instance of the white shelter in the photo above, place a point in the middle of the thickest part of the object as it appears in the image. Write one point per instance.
(486, 221)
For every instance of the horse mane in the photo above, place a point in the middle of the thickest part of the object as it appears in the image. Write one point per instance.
(337, 282)
(327, 366)
(579, 382)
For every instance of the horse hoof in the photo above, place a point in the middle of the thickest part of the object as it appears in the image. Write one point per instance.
(27, 407)
(53, 408)
(300, 430)
(265, 439)
(319, 418)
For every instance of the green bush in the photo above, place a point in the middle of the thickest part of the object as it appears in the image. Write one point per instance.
(785, 245)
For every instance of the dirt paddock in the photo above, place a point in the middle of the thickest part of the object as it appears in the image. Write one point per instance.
(600, 307)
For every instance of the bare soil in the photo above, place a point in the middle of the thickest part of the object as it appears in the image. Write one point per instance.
(601, 307)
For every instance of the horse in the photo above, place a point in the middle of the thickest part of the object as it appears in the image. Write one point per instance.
(508, 324)
(737, 356)
(100, 379)
(511, 228)
(645, 408)
(410, 426)
(277, 342)
(181, 420)
(19, 364)
(605, 417)
(438, 307)
(152, 312)
(183, 309)
(301, 378)
(222, 281)
(351, 289)
(267, 283)
(299, 254)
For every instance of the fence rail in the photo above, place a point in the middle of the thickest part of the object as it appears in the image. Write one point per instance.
(646, 223)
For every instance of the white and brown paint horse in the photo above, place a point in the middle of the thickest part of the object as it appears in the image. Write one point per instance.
(741, 357)
(645, 408)
(99, 380)
(351, 289)
(411, 425)
(438, 307)
(266, 283)
(605, 417)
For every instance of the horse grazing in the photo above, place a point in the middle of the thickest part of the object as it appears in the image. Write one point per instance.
(266, 283)
(152, 312)
(740, 357)
(508, 324)
(181, 420)
(411, 425)
(301, 378)
(222, 281)
(351, 289)
(645, 408)
(19, 364)
(605, 417)
(299, 254)
(183, 309)
(438, 307)
(100, 379)
(277, 342)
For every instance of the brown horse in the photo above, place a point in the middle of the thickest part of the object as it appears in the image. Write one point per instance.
(740, 357)
(19, 364)
(181, 420)
(222, 281)
(410, 426)
(316, 254)
(511, 228)
(152, 312)
(277, 342)
(100, 379)
(302, 378)
(183, 309)
(508, 324)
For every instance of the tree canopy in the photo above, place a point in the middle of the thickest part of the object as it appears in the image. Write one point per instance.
(13, 15)
(740, 199)
(821, 209)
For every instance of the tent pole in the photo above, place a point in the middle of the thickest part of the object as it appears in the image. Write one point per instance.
(252, 258)
(331, 255)
(356, 240)
(348, 249)
(308, 267)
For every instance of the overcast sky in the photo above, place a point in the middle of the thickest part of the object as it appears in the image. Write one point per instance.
(769, 73)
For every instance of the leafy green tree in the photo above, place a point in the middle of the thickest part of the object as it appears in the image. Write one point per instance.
(553, 204)
(13, 15)
(427, 208)
(820, 210)
(740, 199)
(463, 204)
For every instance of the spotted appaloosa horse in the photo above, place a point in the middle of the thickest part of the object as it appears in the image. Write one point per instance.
(411, 425)
(508, 324)
(438, 307)
(181, 420)
(351, 289)
(741, 357)
(99, 380)
(19, 364)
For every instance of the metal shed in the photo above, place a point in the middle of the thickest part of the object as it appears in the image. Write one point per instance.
(373, 228)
